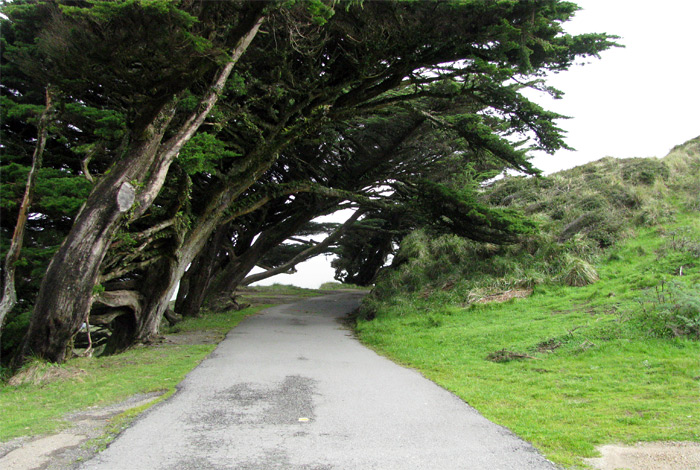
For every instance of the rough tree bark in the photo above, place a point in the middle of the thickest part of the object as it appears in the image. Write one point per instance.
(162, 279)
(195, 283)
(124, 309)
(9, 293)
(66, 292)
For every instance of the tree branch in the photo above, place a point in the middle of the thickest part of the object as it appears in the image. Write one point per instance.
(147, 233)
(302, 241)
(306, 254)
(172, 147)
(126, 269)
(9, 294)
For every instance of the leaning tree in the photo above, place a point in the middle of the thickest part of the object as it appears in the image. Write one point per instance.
(140, 58)
(291, 81)
(328, 76)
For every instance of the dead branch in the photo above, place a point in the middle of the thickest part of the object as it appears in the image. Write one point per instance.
(9, 294)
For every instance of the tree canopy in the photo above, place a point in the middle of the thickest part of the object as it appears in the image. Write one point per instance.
(179, 122)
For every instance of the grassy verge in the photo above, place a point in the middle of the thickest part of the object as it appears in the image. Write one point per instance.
(333, 285)
(251, 293)
(577, 366)
(38, 406)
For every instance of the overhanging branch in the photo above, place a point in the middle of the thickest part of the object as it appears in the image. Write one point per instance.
(306, 254)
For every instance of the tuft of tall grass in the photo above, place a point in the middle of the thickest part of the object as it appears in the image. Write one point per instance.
(579, 273)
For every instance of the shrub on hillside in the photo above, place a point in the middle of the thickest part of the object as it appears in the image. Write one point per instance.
(670, 310)
(644, 170)
(622, 196)
(579, 213)
(654, 212)
(607, 231)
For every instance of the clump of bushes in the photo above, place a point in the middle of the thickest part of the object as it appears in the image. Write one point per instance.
(644, 171)
(670, 310)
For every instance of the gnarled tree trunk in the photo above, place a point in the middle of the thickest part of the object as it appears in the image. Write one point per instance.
(65, 295)
(232, 275)
(170, 271)
(195, 283)
(66, 292)
(162, 279)
(125, 308)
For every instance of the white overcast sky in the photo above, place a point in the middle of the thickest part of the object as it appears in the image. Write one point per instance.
(637, 101)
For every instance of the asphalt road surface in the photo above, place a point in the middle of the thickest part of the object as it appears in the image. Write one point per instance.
(292, 389)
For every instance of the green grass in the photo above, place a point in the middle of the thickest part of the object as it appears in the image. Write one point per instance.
(283, 289)
(605, 377)
(273, 293)
(219, 323)
(334, 285)
(33, 409)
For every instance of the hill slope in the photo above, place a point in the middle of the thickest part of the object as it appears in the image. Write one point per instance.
(597, 340)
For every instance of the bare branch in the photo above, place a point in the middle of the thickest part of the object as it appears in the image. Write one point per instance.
(126, 269)
(86, 161)
(9, 294)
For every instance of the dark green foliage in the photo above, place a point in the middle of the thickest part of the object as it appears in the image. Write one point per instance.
(457, 210)
(446, 204)
(364, 249)
(202, 154)
(14, 329)
(446, 74)
(123, 46)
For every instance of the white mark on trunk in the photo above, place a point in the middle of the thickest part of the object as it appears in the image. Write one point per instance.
(125, 197)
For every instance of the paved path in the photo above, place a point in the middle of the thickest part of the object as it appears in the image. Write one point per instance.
(292, 389)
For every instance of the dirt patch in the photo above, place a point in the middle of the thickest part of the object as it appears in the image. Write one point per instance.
(505, 296)
(506, 356)
(648, 456)
(67, 449)
(194, 337)
(549, 345)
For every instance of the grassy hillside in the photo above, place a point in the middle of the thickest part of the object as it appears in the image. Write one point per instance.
(587, 333)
